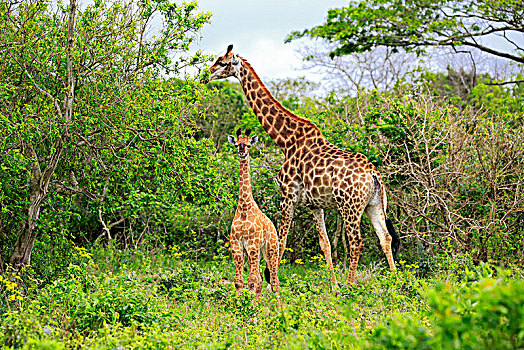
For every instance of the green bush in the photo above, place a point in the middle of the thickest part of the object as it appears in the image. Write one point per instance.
(476, 314)
(139, 299)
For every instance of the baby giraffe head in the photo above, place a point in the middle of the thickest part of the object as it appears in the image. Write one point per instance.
(243, 143)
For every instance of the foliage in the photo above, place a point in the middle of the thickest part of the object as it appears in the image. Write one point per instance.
(364, 25)
(483, 313)
(104, 148)
(467, 90)
(97, 142)
(139, 299)
(225, 110)
(293, 93)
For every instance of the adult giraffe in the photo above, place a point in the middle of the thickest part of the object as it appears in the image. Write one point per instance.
(315, 174)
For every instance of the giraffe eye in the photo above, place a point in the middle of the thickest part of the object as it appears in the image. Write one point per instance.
(222, 64)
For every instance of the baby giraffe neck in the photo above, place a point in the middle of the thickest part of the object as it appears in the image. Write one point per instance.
(245, 197)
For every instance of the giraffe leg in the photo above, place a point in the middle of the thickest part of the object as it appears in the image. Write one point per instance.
(272, 261)
(352, 226)
(377, 218)
(255, 279)
(267, 271)
(318, 218)
(238, 257)
(263, 250)
(355, 249)
(287, 208)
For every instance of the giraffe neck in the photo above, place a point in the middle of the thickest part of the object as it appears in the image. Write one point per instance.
(285, 128)
(245, 196)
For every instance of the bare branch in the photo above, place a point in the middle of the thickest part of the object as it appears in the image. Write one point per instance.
(70, 94)
(505, 82)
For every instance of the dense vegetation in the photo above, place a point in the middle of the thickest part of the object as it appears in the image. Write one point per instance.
(117, 189)
(131, 299)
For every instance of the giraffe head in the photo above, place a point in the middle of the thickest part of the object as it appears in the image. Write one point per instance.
(243, 143)
(225, 66)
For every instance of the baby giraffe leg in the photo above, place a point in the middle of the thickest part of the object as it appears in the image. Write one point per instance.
(255, 279)
(238, 257)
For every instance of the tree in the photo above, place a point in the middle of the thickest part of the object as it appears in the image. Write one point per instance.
(86, 115)
(292, 93)
(415, 25)
(380, 68)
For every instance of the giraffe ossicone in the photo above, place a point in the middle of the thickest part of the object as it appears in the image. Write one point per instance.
(251, 230)
(315, 174)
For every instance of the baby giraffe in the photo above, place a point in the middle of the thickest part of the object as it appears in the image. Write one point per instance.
(251, 230)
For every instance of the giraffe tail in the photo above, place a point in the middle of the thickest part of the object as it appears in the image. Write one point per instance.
(395, 243)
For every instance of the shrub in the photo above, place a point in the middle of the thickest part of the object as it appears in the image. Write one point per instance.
(484, 314)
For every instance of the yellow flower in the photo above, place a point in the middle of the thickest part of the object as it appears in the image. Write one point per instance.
(10, 285)
(316, 257)
(299, 261)
(283, 261)
(289, 250)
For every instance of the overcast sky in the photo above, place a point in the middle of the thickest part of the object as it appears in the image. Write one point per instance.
(257, 30)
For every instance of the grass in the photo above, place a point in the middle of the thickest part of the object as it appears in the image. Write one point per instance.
(131, 299)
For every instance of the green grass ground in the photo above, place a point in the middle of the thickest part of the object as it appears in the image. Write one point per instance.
(125, 300)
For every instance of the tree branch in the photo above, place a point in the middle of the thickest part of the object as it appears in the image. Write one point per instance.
(506, 82)
(70, 94)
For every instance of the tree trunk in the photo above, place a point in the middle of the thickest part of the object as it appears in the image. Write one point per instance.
(39, 189)
(40, 178)
(26, 239)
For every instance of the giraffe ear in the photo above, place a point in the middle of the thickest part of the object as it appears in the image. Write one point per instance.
(254, 140)
(232, 140)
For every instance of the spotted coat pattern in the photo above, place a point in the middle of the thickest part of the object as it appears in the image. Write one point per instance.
(252, 231)
(315, 174)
